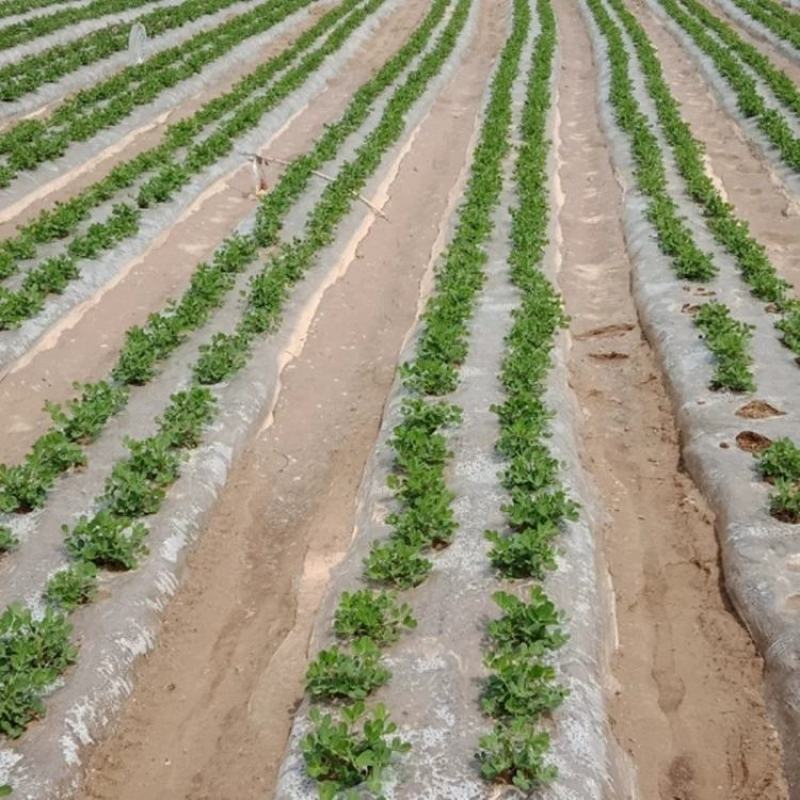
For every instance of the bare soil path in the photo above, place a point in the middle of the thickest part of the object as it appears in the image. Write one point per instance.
(212, 707)
(688, 705)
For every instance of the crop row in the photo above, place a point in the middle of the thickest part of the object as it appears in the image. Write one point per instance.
(750, 101)
(729, 341)
(32, 71)
(727, 338)
(729, 231)
(338, 753)
(63, 220)
(245, 113)
(674, 236)
(523, 686)
(34, 141)
(10, 8)
(24, 487)
(84, 417)
(115, 535)
(782, 21)
(781, 84)
(27, 29)
(779, 465)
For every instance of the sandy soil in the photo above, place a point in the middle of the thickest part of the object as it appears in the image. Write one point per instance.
(233, 648)
(213, 702)
(687, 704)
(83, 346)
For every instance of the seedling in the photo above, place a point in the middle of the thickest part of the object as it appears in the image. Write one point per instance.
(528, 554)
(784, 502)
(55, 453)
(85, 417)
(397, 564)
(515, 754)
(536, 623)
(73, 586)
(186, 416)
(729, 341)
(33, 653)
(349, 749)
(7, 539)
(532, 469)
(24, 487)
(789, 326)
(780, 461)
(521, 686)
(429, 416)
(527, 510)
(107, 541)
(377, 616)
(415, 445)
(21, 489)
(336, 673)
(427, 522)
(136, 487)
(220, 359)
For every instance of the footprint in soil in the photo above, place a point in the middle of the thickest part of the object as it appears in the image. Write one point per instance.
(671, 690)
(615, 329)
(613, 355)
(678, 783)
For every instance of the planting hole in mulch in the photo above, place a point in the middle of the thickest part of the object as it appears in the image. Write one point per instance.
(790, 517)
(792, 602)
(759, 409)
(752, 442)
